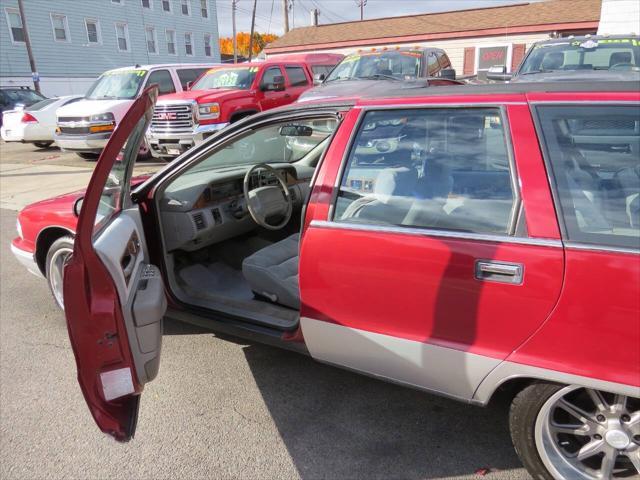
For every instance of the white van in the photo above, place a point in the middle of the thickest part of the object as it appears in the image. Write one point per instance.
(85, 126)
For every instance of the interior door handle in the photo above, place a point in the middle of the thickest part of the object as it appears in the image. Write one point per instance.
(503, 272)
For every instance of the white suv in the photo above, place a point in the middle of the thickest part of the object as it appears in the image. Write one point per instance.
(85, 126)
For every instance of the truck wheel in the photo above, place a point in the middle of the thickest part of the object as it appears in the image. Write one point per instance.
(89, 156)
(58, 254)
(43, 144)
(563, 432)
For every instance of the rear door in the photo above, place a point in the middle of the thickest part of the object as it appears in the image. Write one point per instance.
(297, 81)
(114, 299)
(430, 273)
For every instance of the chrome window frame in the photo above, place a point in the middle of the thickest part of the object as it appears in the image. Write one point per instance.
(501, 108)
(557, 203)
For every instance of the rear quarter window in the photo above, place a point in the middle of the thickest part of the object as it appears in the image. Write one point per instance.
(593, 154)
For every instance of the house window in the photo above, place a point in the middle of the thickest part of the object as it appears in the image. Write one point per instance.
(166, 6)
(93, 31)
(185, 7)
(14, 20)
(207, 44)
(119, 2)
(170, 35)
(204, 8)
(60, 27)
(150, 36)
(147, 4)
(188, 46)
(122, 34)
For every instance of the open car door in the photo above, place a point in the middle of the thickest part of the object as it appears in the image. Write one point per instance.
(114, 299)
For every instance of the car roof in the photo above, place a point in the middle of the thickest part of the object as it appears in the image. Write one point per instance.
(165, 65)
(587, 37)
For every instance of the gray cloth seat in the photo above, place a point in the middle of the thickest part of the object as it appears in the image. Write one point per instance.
(272, 272)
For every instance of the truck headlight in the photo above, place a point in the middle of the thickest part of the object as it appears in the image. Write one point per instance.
(102, 122)
(209, 110)
(19, 228)
(103, 117)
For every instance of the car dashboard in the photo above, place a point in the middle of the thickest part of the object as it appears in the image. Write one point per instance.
(204, 208)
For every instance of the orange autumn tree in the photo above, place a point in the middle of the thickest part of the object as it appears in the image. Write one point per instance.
(242, 38)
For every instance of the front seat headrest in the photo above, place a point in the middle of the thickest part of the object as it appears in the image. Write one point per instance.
(619, 57)
(395, 182)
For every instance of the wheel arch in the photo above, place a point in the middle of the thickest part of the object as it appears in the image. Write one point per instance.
(240, 114)
(45, 239)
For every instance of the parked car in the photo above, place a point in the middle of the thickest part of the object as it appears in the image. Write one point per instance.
(353, 76)
(591, 57)
(12, 97)
(85, 126)
(468, 242)
(36, 123)
(227, 94)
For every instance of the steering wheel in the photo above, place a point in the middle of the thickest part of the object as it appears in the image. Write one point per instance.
(269, 200)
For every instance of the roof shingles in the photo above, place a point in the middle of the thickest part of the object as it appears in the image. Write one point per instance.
(508, 17)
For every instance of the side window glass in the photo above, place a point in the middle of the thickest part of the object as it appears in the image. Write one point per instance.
(187, 75)
(270, 74)
(594, 153)
(431, 168)
(163, 79)
(296, 76)
(433, 67)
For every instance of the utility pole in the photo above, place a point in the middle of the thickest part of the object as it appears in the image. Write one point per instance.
(234, 4)
(285, 12)
(314, 17)
(361, 4)
(253, 23)
(27, 42)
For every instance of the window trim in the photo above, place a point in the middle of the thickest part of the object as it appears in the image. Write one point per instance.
(188, 4)
(170, 3)
(184, 37)
(209, 44)
(493, 45)
(513, 172)
(98, 30)
(175, 42)
(7, 12)
(65, 24)
(557, 201)
(206, 9)
(155, 39)
(126, 36)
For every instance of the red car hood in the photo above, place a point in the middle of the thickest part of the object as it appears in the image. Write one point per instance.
(204, 96)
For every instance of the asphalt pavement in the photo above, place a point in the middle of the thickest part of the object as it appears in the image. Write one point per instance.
(224, 408)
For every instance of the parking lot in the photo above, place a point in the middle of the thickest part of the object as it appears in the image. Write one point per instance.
(220, 408)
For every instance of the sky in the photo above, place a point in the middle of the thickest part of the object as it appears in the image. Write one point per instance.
(269, 18)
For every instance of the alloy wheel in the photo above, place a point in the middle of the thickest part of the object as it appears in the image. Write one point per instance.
(589, 435)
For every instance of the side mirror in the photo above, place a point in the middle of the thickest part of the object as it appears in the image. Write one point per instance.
(276, 86)
(77, 206)
(499, 73)
(448, 73)
(318, 78)
(189, 85)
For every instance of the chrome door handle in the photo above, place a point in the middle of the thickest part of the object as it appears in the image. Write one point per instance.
(503, 272)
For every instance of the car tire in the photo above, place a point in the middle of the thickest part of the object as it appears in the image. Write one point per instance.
(43, 144)
(57, 256)
(88, 156)
(551, 423)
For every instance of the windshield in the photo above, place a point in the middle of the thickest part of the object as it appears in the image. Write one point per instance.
(401, 65)
(234, 77)
(585, 54)
(23, 96)
(117, 85)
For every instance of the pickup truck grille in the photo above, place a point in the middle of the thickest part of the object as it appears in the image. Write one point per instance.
(73, 125)
(172, 118)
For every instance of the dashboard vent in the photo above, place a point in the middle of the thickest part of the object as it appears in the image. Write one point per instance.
(198, 219)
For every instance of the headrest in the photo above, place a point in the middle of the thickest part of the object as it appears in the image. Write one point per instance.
(395, 182)
(619, 57)
(553, 61)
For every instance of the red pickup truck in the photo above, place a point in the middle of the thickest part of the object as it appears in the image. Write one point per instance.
(224, 95)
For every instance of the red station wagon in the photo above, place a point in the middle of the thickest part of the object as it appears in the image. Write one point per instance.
(463, 241)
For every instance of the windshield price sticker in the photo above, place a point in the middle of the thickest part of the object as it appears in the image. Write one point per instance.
(139, 73)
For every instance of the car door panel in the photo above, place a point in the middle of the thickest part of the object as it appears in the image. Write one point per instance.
(114, 300)
(408, 290)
